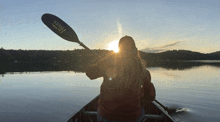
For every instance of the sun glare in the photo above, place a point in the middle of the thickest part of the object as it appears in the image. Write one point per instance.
(113, 46)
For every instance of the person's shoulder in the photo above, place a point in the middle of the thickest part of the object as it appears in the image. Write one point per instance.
(146, 72)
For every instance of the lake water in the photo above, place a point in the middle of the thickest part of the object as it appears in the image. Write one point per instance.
(55, 96)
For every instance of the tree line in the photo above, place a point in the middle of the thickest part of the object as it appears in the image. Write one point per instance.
(77, 60)
(46, 60)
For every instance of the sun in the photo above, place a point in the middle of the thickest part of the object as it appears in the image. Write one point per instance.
(113, 46)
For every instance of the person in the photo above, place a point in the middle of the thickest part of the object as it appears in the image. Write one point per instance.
(126, 82)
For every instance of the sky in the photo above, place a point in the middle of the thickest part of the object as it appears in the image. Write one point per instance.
(155, 25)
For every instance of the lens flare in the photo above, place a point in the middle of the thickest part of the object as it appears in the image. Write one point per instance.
(113, 46)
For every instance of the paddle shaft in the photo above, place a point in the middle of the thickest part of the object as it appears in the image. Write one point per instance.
(83, 45)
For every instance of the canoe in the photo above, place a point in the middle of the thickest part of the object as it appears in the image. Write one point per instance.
(154, 112)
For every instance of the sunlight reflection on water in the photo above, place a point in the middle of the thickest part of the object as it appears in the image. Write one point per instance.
(35, 95)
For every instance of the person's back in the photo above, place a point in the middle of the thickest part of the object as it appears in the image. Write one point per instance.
(126, 81)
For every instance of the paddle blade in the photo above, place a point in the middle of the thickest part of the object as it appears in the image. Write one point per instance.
(59, 27)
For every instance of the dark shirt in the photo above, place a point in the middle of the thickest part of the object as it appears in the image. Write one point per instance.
(123, 109)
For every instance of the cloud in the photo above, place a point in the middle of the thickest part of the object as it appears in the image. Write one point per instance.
(120, 29)
(152, 50)
(157, 49)
(170, 45)
(109, 37)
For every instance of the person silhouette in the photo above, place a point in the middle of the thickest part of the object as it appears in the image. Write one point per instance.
(126, 82)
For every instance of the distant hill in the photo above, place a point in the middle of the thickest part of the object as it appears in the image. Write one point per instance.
(180, 55)
(215, 53)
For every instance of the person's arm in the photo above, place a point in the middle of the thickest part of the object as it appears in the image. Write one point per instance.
(98, 70)
(93, 71)
(149, 89)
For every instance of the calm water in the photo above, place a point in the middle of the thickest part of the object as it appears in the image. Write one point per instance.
(55, 96)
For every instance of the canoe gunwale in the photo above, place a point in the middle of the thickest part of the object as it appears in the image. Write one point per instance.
(163, 110)
(83, 112)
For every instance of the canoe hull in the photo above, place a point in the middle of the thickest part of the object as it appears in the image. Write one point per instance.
(153, 111)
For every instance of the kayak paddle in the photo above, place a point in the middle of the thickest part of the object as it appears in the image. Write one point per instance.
(62, 29)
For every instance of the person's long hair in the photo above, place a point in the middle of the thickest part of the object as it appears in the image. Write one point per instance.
(128, 68)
